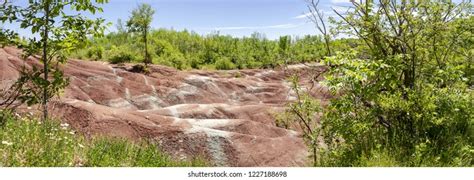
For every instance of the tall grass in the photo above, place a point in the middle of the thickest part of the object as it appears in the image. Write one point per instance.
(26, 142)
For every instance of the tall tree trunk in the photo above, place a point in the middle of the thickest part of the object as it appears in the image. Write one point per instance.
(146, 48)
(44, 102)
(327, 41)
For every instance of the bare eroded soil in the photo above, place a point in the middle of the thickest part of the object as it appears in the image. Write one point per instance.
(225, 116)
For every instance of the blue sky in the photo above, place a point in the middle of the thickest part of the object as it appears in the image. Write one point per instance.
(235, 17)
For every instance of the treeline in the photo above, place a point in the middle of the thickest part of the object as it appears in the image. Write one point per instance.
(186, 50)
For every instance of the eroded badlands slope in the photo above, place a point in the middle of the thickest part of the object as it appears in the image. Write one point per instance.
(225, 116)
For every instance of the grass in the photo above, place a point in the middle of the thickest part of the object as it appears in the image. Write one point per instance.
(26, 142)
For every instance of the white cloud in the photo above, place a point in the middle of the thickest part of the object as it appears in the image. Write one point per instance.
(339, 1)
(302, 16)
(340, 9)
(279, 26)
(326, 13)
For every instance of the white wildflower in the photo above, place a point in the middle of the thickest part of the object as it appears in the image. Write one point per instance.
(72, 132)
(7, 143)
(81, 146)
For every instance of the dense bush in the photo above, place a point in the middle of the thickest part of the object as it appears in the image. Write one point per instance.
(184, 50)
(224, 63)
(95, 53)
(118, 55)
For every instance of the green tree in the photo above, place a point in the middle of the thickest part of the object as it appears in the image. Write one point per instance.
(140, 21)
(403, 94)
(284, 45)
(60, 32)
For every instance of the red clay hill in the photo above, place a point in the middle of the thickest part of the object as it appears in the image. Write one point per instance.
(225, 116)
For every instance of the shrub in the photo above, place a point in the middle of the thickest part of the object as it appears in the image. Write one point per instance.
(224, 63)
(177, 61)
(95, 53)
(169, 55)
(120, 55)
